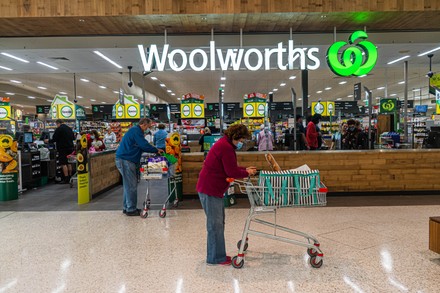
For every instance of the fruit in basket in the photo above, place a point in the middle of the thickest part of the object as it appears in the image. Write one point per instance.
(80, 158)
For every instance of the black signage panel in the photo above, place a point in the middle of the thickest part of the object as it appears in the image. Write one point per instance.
(212, 106)
(174, 108)
(106, 109)
(159, 108)
(357, 92)
(410, 104)
(231, 106)
(280, 106)
(346, 107)
(43, 109)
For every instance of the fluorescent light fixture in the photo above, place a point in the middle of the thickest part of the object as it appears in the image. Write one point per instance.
(392, 95)
(283, 84)
(399, 59)
(270, 93)
(169, 91)
(381, 88)
(378, 98)
(42, 87)
(222, 85)
(153, 78)
(10, 94)
(338, 99)
(350, 96)
(318, 92)
(102, 87)
(162, 85)
(47, 65)
(417, 98)
(106, 102)
(343, 82)
(14, 57)
(15, 81)
(63, 93)
(300, 99)
(402, 82)
(85, 80)
(363, 75)
(178, 99)
(275, 90)
(30, 97)
(173, 94)
(79, 97)
(49, 100)
(223, 78)
(430, 51)
(5, 68)
(87, 107)
(107, 59)
(416, 90)
(116, 92)
(328, 88)
(292, 77)
(93, 100)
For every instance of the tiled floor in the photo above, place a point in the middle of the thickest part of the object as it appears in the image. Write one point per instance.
(366, 249)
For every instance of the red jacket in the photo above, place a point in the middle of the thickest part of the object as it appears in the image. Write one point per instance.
(221, 163)
(312, 135)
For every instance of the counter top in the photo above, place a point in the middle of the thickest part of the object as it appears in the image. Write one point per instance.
(97, 154)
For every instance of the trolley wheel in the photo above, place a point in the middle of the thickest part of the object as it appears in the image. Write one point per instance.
(237, 265)
(144, 214)
(245, 245)
(312, 252)
(231, 201)
(314, 263)
(162, 214)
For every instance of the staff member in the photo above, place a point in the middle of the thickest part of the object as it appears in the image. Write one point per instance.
(128, 157)
(109, 137)
(220, 164)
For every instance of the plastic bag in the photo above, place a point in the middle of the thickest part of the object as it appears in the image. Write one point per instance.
(44, 153)
(157, 165)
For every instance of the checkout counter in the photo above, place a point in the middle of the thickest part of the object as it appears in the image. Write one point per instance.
(103, 174)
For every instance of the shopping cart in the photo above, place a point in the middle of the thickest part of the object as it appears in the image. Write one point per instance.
(71, 159)
(157, 171)
(273, 190)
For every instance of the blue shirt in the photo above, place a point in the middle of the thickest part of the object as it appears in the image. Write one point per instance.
(133, 144)
(159, 139)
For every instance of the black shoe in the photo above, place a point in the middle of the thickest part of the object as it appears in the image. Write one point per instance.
(136, 212)
(124, 211)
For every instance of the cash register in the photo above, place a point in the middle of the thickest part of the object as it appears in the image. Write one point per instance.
(25, 141)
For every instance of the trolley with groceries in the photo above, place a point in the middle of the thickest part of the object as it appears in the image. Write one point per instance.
(154, 167)
(272, 190)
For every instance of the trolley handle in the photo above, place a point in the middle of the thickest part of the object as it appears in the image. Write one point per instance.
(231, 180)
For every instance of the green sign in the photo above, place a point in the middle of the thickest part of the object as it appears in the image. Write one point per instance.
(351, 61)
(388, 105)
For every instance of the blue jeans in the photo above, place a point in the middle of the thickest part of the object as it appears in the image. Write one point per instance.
(215, 225)
(128, 171)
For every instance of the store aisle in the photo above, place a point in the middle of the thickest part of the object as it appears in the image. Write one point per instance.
(367, 249)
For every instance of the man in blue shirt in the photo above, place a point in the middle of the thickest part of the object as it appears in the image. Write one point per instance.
(128, 157)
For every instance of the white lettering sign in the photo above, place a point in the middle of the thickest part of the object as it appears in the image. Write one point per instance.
(252, 59)
(66, 111)
(132, 111)
(3, 113)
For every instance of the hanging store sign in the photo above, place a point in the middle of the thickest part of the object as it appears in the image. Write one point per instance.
(323, 108)
(43, 109)
(192, 106)
(130, 109)
(252, 59)
(62, 108)
(255, 105)
(387, 106)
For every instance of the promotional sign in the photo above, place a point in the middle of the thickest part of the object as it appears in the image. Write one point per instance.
(43, 109)
(357, 92)
(351, 60)
(83, 172)
(209, 141)
(387, 106)
(80, 112)
(173, 147)
(254, 105)
(228, 107)
(174, 108)
(62, 108)
(5, 111)
(437, 101)
(130, 109)
(192, 106)
(8, 168)
(212, 107)
(347, 107)
(324, 108)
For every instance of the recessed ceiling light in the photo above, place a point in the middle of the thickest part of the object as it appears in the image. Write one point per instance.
(106, 102)
(42, 87)
(416, 90)
(401, 82)
(222, 85)
(178, 99)
(5, 68)
(343, 82)
(349, 96)
(392, 95)
(169, 91)
(282, 84)
(79, 97)
(292, 77)
(49, 100)
(399, 59)
(107, 59)
(173, 94)
(153, 78)
(223, 78)
(275, 90)
(47, 65)
(308, 96)
(10, 94)
(85, 80)
(270, 93)
(338, 99)
(363, 75)
(14, 57)
(318, 92)
(102, 87)
(30, 97)
(328, 88)
(93, 100)
(162, 85)
(430, 51)
(381, 88)
(15, 81)
(116, 92)
(87, 107)
(300, 99)
(63, 93)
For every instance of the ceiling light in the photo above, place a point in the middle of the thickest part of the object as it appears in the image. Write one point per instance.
(363, 75)
(222, 85)
(399, 59)
(300, 99)
(292, 77)
(418, 98)
(392, 95)
(30, 97)
(381, 88)
(401, 82)
(416, 90)
(85, 80)
(349, 96)
(178, 99)
(162, 85)
(102, 87)
(106, 103)
(282, 84)
(49, 100)
(153, 78)
(328, 88)
(87, 107)
(338, 99)
(430, 51)
(430, 107)
(378, 98)
(47, 65)
(223, 78)
(275, 90)
(14, 57)
(63, 93)
(308, 96)
(79, 97)
(318, 92)
(173, 94)
(5, 68)
(15, 81)
(107, 59)
(42, 87)
(93, 100)
(270, 93)
(116, 92)
(343, 82)
(169, 91)
(10, 94)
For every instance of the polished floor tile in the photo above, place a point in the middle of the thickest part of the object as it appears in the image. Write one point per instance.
(366, 249)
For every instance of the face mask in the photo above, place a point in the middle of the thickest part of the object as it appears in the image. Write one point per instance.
(92, 136)
(351, 128)
(239, 145)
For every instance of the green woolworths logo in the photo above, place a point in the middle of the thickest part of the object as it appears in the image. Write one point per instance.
(351, 61)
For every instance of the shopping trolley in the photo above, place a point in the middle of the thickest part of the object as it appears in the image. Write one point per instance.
(278, 189)
(71, 159)
(155, 167)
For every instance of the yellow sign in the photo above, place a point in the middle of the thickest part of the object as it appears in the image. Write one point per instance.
(120, 111)
(198, 110)
(186, 110)
(249, 110)
(132, 111)
(323, 108)
(82, 167)
(254, 109)
(66, 111)
(5, 112)
(437, 101)
(83, 188)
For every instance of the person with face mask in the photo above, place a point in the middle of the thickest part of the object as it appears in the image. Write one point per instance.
(350, 137)
(128, 157)
(220, 164)
(96, 141)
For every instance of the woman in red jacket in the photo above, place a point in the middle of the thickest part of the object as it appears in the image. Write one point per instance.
(312, 134)
(220, 164)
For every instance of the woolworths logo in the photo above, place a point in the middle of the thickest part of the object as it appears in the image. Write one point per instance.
(132, 111)
(66, 112)
(249, 109)
(198, 110)
(261, 110)
(186, 111)
(351, 61)
(3, 113)
(120, 111)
